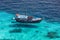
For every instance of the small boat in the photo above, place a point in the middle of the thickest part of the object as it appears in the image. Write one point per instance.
(28, 20)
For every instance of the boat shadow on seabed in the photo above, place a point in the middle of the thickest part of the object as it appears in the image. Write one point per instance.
(23, 25)
(19, 26)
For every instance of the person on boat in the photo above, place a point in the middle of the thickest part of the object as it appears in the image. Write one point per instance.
(24, 17)
(21, 16)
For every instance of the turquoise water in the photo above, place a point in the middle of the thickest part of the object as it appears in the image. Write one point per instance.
(9, 29)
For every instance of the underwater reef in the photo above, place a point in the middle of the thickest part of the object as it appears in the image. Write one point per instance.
(53, 35)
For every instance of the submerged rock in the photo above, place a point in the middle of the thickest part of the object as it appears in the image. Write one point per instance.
(52, 35)
(15, 31)
(37, 31)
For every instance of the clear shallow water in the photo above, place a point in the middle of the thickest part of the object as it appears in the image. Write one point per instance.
(26, 32)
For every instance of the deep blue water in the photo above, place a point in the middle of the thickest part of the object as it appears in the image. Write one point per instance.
(49, 10)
